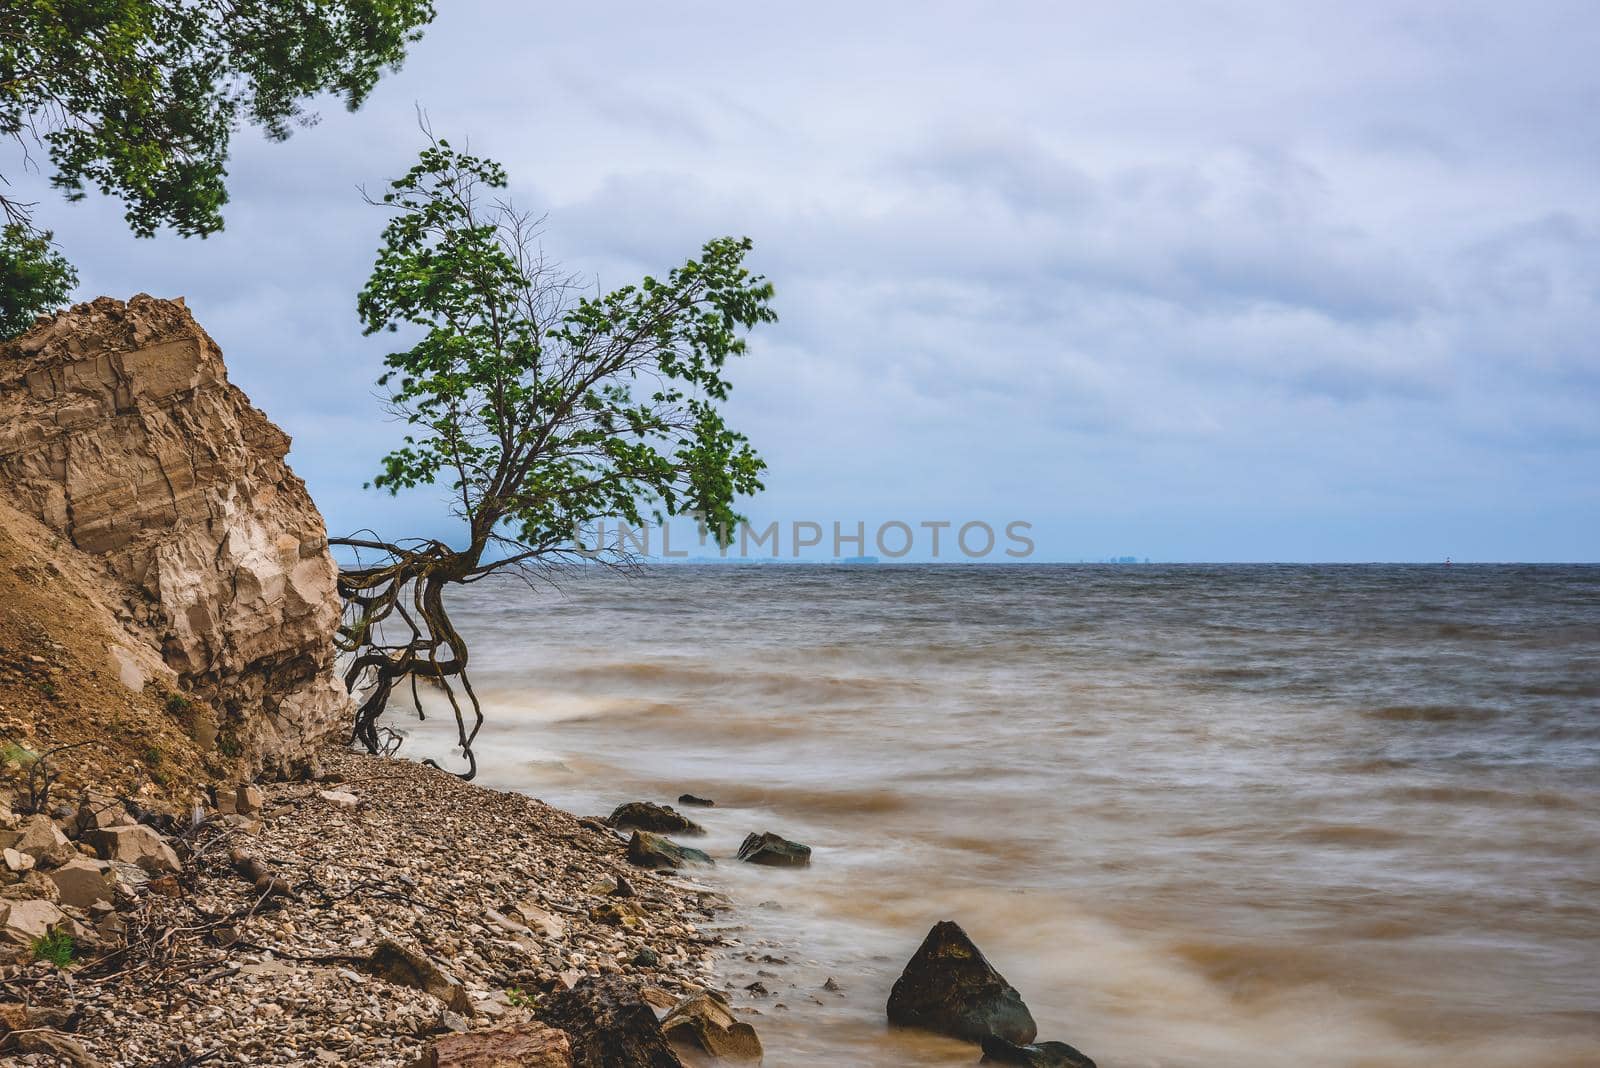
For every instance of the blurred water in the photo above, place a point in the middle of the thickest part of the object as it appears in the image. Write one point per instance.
(1254, 815)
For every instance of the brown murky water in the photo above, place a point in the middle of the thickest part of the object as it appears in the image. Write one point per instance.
(1256, 816)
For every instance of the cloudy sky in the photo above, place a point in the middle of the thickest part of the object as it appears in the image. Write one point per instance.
(1193, 281)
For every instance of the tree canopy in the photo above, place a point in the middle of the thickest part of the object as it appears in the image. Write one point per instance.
(140, 98)
(541, 408)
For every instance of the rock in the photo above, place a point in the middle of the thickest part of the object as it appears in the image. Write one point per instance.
(774, 851)
(137, 845)
(690, 799)
(81, 882)
(404, 966)
(519, 1045)
(609, 1025)
(119, 430)
(646, 957)
(339, 799)
(653, 851)
(1037, 1055)
(832, 985)
(658, 999)
(615, 914)
(706, 1022)
(542, 920)
(54, 1044)
(100, 810)
(950, 988)
(17, 862)
(24, 921)
(644, 816)
(623, 888)
(39, 838)
(248, 799)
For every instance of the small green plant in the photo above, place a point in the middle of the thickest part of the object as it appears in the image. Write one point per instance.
(228, 742)
(12, 753)
(152, 757)
(48, 688)
(56, 947)
(520, 999)
(178, 705)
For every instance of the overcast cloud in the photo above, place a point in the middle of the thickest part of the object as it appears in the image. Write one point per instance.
(1193, 281)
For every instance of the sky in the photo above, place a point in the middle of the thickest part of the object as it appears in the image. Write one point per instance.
(1187, 281)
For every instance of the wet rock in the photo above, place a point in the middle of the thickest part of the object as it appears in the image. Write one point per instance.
(774, 851)
(653, 851)
(520, 1045)
(950, 988)
(81, 882)
(644, 816)
(405, 966)
(23, 921)
(690, 799)
(137, 845)
(705, 1021)
(1035, 1055)
(609, 1025)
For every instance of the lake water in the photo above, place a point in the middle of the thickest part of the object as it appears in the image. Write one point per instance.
(1245, 815)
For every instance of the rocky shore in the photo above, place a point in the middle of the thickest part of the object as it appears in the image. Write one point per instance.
(358, 914)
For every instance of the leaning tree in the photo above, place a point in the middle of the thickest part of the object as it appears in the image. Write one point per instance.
(541, 409)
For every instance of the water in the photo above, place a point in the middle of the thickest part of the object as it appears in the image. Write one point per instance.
(1255, 816)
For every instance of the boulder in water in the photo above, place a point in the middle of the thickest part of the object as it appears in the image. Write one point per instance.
(690, 799)
(705, 1021)
(774, 851)
(1035, 1055)
(648, 850)
(660, 819)
(950, 988)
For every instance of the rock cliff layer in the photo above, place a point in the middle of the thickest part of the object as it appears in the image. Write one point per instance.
(120, 430)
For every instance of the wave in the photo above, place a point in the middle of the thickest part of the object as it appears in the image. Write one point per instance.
(1432, 713)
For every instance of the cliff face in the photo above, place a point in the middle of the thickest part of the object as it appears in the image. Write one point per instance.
(120, 431)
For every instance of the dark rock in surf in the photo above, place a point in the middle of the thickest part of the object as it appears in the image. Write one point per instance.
(1036, 1055)
(950, 988)
(609, 1024)
(690, 799)
(647, 850)
(659, 819)
(774, 851)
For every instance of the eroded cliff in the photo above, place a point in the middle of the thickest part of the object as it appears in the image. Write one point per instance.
(120, 432)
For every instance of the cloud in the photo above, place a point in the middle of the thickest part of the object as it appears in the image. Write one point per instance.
(1205, 280)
